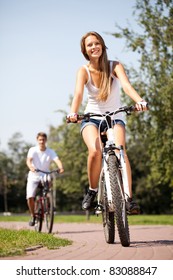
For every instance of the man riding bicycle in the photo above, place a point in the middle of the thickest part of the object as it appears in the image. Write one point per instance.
(38, 157)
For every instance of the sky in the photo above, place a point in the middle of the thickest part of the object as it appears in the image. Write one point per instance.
(40, 55)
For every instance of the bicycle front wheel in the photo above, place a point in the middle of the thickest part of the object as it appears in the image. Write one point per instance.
(49, 211)
(118, 200)
(38, 214)
(107, 217)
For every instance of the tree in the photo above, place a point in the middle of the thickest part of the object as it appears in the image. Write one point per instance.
(151, 134)
(13, 172)
(6, 171)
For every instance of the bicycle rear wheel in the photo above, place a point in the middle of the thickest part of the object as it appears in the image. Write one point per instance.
(49, 211)
(118, 200)
(38, 214)
(107, 217)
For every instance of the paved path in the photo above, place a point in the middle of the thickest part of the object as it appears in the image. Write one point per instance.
(147, 243)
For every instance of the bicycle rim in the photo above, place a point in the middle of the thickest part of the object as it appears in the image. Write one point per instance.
(38, 215)
(107, 217)
(118, 201)
(49, 211)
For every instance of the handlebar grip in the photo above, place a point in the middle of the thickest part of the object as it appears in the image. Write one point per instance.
(132, 109)
(79, 118)
(68, 120)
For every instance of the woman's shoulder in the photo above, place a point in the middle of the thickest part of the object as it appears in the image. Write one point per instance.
(117, 65)
(83, 71)
(84, 68)
(115, 62)
(82, 76)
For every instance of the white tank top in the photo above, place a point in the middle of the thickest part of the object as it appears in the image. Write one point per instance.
(112, 103)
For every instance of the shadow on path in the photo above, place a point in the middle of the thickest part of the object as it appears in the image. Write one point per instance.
(152, 243)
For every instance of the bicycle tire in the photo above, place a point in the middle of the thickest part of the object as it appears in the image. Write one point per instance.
(38, 214)
(108, 218)
(118, 200)
(49, 211)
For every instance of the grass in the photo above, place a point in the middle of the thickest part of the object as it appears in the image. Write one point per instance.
(133, 220)
(151, 220)
(17, 242)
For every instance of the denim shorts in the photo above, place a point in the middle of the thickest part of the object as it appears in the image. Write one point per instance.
(96, 123)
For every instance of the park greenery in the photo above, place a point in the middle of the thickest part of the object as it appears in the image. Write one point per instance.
(149, 134)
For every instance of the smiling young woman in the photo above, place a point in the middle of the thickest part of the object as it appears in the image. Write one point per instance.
(102, 77)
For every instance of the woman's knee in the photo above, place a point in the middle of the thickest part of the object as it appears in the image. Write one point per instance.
(95, 154)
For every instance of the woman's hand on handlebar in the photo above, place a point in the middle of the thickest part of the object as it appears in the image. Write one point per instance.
(72, 117)
(141, 105)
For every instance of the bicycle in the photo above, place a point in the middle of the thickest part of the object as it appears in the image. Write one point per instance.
(113, 180)
(44, 205)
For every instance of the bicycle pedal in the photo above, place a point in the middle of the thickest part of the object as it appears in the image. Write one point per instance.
(98, 209)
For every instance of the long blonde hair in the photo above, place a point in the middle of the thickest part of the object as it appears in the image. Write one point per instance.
(104, 66)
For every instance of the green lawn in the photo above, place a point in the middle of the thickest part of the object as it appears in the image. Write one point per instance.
(133, 220)
(16, 242)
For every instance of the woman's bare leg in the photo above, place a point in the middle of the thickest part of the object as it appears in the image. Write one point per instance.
(91, 139)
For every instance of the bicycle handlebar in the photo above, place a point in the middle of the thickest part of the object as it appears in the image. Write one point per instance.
(47, 172)
(87, 116)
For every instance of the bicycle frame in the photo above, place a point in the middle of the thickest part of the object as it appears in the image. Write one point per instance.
(44, 203)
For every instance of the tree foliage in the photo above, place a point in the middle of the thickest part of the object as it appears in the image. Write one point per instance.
(13, 172)
(151, 134)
